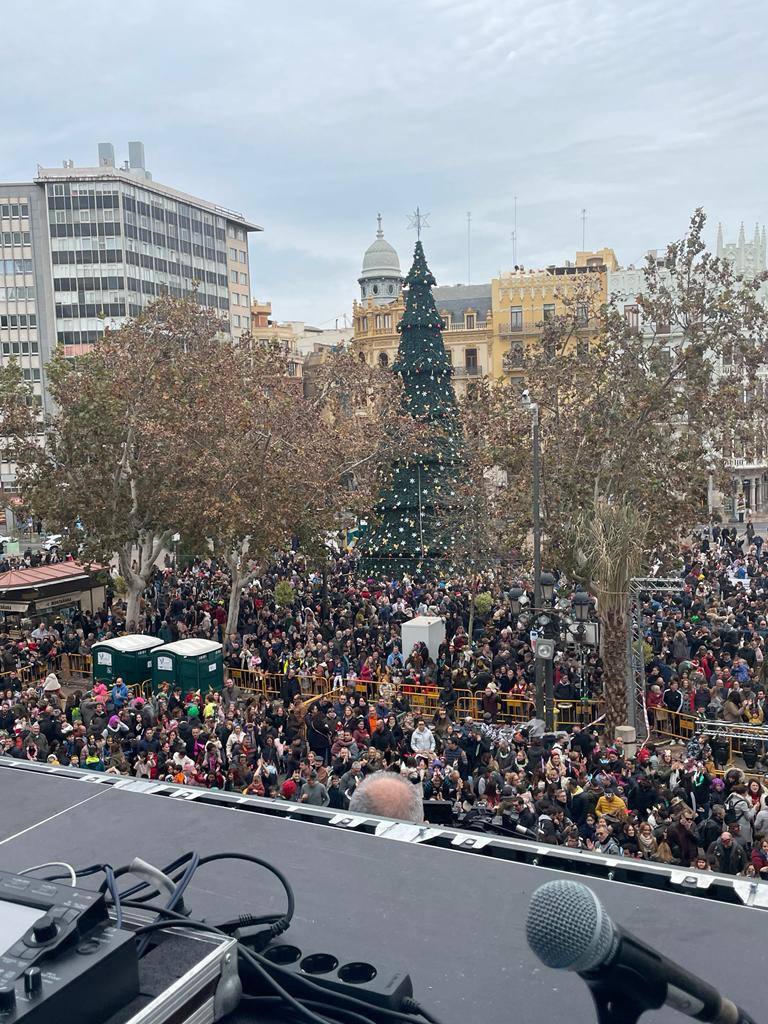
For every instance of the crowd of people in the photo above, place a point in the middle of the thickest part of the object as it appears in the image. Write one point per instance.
(347, 708)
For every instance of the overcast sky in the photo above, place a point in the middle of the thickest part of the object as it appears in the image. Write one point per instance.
(310, 116)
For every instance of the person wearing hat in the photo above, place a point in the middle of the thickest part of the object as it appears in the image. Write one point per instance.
(611, 804)
(51, 686)
(115, 729)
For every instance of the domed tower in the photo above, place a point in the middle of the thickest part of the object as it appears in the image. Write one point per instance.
(380, 280)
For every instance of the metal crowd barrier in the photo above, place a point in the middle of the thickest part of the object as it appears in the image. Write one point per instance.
(673, 726)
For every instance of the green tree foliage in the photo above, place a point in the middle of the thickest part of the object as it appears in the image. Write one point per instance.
(417, 528)
(631, 428)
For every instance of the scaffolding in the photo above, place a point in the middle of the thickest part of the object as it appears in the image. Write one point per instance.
(637, 711)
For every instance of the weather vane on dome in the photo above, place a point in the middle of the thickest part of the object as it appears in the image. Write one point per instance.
(418, 220)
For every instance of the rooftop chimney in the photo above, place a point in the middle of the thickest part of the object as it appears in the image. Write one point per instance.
(106, 154)
(136, 155)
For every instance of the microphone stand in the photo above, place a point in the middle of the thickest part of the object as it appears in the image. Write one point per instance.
(623, 998)
(622, 995)
(627, 989)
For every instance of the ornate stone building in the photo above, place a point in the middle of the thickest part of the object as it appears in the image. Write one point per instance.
(466, 310)
(748, 258)
(523, 300)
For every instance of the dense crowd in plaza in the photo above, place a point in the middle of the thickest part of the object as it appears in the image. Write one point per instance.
(347, 706)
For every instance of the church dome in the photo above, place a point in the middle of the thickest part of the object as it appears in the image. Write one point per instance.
(380, 281)
(381, 259)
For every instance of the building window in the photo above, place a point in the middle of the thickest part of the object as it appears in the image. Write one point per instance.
(662, 327)
(582, 314)
(516, 318)
(391, 289)
(582, 347)
(469, 321)
(388, 321)
(383, 359)
(549, 312)
(632, 316)
(243, 256)
(243, 278)
(233, 254)
(377, 321)
(233, 276)
(375, 289)
(470, 360)
(364, 324)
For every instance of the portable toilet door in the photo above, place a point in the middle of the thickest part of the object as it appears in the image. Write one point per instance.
(163, 668)
(103, 663)
(199, 666)
(214, 671)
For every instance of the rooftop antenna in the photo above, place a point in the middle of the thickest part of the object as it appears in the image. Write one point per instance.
(583, 229)
(469, 262)
(418, 220)
(514, 237)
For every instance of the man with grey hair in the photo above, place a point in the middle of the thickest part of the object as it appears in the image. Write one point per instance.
(390, 795)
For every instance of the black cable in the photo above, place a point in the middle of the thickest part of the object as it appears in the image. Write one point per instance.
(176, 895)
(264, 966)
(327, 1008)
(109, 874)
(414, 1007)
(282, 923)
(175, 866)
(279, 923)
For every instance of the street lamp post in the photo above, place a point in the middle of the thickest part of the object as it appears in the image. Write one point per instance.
(533, 408)
(550, 624)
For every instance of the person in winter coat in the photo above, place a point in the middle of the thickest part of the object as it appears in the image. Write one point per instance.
(674, 699)
(115, 729)
(604, 842)
(683, 839)
(726, 856)
(738, 810)
(422, 740)
(120, 694)
(760, 859)
(680, 647)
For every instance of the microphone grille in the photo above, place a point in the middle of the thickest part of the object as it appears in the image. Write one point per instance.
(567, 927)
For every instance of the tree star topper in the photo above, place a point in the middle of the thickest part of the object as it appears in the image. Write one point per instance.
(418, 220)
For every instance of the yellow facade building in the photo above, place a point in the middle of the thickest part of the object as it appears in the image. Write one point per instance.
(489, 328)
(522, 301)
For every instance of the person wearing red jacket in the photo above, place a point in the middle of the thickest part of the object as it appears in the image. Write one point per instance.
(760, 859)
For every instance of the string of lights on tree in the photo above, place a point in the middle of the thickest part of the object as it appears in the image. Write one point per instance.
(418, 511)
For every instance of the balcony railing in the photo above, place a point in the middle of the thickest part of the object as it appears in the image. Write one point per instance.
(506, 330)
(511, 361)
(467, 371)
(753, 463)
(480, 325)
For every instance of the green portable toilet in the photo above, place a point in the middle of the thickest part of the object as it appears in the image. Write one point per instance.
(129, 657)
(192, 664)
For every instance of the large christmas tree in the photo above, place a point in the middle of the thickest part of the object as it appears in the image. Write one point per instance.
(419, 521)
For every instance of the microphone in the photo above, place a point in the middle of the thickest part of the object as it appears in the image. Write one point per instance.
(569, 929)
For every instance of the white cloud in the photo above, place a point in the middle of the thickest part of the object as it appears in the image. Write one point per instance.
(311, 117)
